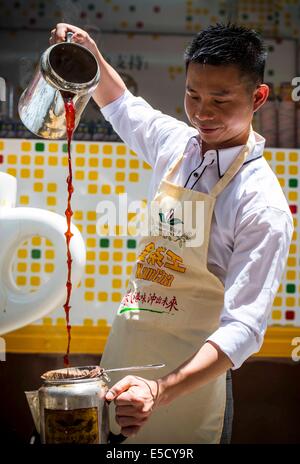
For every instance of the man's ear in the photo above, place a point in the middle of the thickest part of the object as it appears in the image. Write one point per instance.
(260, 96)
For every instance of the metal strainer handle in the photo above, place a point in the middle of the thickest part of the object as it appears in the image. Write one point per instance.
(136, 368)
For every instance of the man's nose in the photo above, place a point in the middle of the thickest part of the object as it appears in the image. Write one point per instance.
(203, 112)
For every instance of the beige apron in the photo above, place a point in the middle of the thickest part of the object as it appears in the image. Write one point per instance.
(172, 305)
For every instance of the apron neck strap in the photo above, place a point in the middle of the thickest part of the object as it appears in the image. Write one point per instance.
(235, 166)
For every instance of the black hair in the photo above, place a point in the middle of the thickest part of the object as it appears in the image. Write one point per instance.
(229, 44)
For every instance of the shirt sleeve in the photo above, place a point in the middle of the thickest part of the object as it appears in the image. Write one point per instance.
(144, 129)
(261, 248)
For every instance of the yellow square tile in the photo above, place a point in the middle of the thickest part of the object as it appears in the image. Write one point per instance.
(12, 159)
(280, 169)
(91, 215)
(120, 176)
(49, 254)
(293, 170)
(80, 162)
(52, 160)
(39, 173)
(291, 262)
(121, 150)
(25, 159)
(281, 181)
(276, 314)
(35, 281)
(94, 149)
(291, 275)
(290, 302)
(107, 149)
(78, 215)
(89, 296)
(293, 156)
(103, 255)
(1, 145)
(38, 187)
(90, 256)
(117, 283)
(92, 188)
(90, 283)
(24, 200)
(80, 148)
(90, 269)
(25, 173)
(35, 267)
(64, 161)
(12, 172)
(120, 163)
(93, 175)
(133, 177)
(22, 253)
(51, 201)
(129, 270)
(52, 187)
(120, 189)
(117, 270)
(22, 267)
(21, 280)
(118, 243)
(36, 241)
(49, 267)
(293, 196)
(93, 162)
(79, 175)
(102, 296)
(91, 229)
(106, 189)
(53, 147)
(117, 256)
(91, 242)
(133, 153)
(277, 301)
(131, 257)
(116, 296)
(106, 162)
(268, 155)
(39, 160)
(134, 164)
(103, 269)
(25, 146)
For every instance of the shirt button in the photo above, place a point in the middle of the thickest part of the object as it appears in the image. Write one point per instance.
(196, 174)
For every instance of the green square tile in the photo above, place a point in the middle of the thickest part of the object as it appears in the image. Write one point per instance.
(293, 182)
(65, 148)
(35, 254)
(104, 242)
(131, 243)
(291, 288)
(40, 146)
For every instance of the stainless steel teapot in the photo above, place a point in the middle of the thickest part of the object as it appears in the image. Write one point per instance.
(64, 67)
(73, 409)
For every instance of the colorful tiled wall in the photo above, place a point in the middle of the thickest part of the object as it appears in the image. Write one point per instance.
(102, 172)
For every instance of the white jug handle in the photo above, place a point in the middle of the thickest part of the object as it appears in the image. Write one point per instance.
(21, 308)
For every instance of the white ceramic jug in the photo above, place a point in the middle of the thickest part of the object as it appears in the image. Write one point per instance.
(16, 226)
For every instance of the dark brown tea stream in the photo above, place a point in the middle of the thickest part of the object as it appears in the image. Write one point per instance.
(70, 123)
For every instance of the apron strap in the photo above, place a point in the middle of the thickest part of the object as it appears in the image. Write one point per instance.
(235, 166)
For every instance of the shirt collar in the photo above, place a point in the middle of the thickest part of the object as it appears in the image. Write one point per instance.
(225, 156)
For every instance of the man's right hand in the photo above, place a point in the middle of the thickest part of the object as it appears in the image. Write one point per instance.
(59, 33)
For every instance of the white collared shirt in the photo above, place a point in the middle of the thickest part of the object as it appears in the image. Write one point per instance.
(252, 225)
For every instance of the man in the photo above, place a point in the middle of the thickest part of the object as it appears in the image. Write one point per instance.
(202, 310)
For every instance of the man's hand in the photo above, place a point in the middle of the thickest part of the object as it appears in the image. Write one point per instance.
(59, 33)
(135, 399)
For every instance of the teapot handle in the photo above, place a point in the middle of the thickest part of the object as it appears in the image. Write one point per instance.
(18, 308)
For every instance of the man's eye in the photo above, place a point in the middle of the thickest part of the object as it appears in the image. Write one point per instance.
(221, 101)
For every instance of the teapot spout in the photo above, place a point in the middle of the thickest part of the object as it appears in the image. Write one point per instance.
(34, 405)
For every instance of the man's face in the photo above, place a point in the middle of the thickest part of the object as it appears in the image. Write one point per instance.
(220, 105)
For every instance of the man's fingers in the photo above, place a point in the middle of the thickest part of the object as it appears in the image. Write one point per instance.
(120, 387)
(125, 421)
